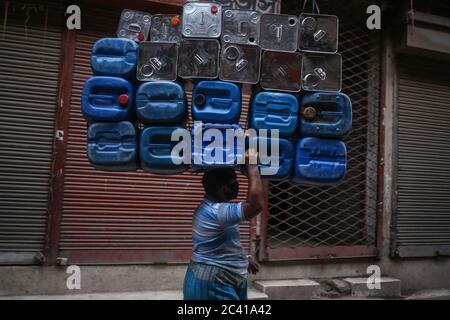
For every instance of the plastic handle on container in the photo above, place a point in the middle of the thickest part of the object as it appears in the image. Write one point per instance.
(279, 32)
(330, 113)
(221, 101)
(242, 28)
(278, 107)
(159, 147)
(280, 118)
(134, 27)
(102, 97)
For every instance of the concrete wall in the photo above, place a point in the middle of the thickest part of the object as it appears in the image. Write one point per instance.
(35, 280)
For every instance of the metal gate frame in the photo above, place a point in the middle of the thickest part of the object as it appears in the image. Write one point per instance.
(339, 252)
(59, 146)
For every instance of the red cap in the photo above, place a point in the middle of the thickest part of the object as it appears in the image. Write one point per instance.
(214, 9)
(141, 36)
(123, 99)
(175, 21)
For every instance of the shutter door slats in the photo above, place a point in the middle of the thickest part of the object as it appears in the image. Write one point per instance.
(116, 211)
(29, 67)
(423, 182)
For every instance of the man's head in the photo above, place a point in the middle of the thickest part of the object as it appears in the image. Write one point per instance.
(221, 184)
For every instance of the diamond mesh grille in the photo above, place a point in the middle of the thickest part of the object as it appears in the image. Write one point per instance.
(345, 215)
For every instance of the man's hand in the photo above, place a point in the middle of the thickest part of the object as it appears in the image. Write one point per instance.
(255, 200)
(251, 154)
(253, 266)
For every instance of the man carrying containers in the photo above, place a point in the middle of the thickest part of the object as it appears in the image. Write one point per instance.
(253, 49)
(219, 265)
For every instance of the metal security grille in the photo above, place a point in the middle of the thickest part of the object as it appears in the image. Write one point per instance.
(307, 222)
(30, 41)
(422, 217)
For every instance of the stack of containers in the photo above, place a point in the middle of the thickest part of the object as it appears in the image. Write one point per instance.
(215, 104)
(108, 97)
(320, 115)
(300, 90)
(325, 113)
(112, 108)
(161, 103)
(107, 103)
(276, 106)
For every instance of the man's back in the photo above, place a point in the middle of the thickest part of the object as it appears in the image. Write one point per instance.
(215, 236)
(218, 269)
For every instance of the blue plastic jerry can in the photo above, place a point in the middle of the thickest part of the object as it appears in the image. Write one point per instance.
(216, 102)
(327, 115)
(320, 162)
(217, 145)
(114, 57)
(271, 168)
(113, 146)
(156, 151)
(161, 102)
(274, 110)
(107, 99)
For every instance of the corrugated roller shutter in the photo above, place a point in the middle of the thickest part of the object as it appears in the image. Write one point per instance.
(423, 182)
(30, 40)
(132, 217)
